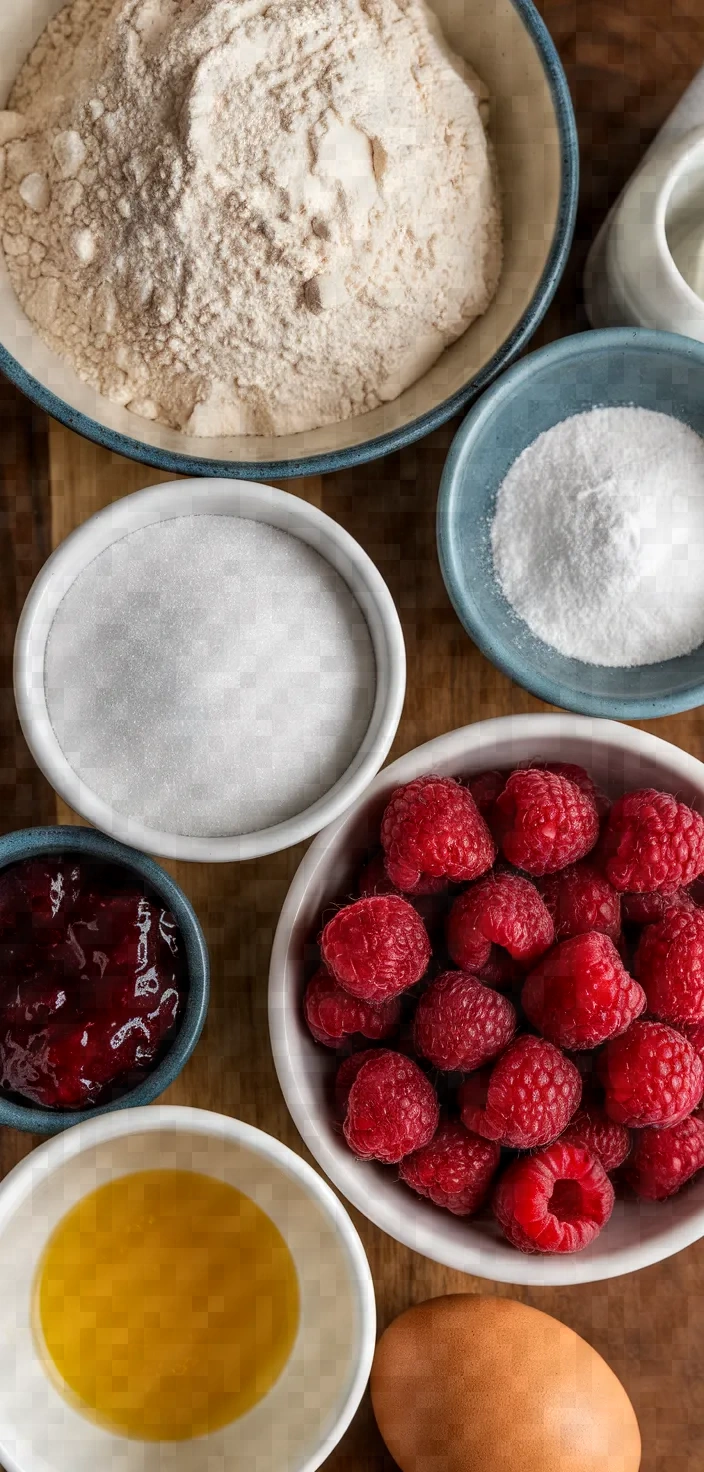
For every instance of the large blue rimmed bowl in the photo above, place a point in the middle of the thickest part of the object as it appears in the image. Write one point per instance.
(533, 129)
(31, 843)
(620, 366)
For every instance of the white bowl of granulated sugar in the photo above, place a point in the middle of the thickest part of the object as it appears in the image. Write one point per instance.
(210, 670)
(267, 241)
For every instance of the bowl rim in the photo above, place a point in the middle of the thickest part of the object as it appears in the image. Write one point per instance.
(18, 1185)
(396, 439)
(507, 657)
(27, 843)
(243, 499)
(426, 1237)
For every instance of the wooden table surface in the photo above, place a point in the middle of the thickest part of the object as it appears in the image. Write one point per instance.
(627, 61)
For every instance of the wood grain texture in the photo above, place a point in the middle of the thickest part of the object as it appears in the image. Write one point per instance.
(25, 798)
(627, 62)
(24, 546)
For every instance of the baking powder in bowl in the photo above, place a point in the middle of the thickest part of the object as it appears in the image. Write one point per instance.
(598, 537)
(209, 676)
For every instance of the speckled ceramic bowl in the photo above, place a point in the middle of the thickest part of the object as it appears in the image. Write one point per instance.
(618, 366)
(536, 145)
(31, 843)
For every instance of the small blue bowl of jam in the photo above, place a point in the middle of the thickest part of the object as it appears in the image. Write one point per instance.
(104, 978)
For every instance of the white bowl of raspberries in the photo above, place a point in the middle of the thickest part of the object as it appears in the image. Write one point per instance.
(487, 1000)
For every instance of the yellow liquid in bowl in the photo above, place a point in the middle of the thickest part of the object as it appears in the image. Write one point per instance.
(167, 1303)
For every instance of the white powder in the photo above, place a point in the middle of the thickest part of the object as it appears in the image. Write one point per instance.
(598, 537)
(248, 216)
(209, 675)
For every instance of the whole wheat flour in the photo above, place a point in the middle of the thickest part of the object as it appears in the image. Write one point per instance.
(248, 216)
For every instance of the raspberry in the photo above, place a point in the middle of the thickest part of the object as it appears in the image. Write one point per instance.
(579, 776)
(645, 909)
(555, 1201)
(391, 1110)
(485, 789)
(544, 822)
(376, 947)
(375, 880)
(584, 782)
(332, 1014)
(670, 965)
(580, 899)
(652, 1075)
(428, 896)
(504, 909)
(461, 1024)
(530, 1097)
(652, 841)
(581, 994)
(432, 826)
(594, 1131)
(347, 1073)
(664, 1159)
(455, 1170)
(694, 1032)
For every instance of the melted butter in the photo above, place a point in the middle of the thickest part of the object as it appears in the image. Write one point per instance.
(167, 1304)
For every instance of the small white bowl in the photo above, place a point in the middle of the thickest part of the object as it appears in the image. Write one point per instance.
(210, 498)
(295, 1427)
(639, 1233)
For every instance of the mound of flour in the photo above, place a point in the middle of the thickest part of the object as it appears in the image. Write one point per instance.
(248, 216)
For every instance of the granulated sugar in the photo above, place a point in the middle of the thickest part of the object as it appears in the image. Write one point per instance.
(209, 675)
(598, 537)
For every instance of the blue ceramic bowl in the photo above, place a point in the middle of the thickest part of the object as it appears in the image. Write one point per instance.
(30, 843)
(620, 366)
(534, 132)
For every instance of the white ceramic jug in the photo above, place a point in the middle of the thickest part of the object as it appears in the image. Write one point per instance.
(631, 277)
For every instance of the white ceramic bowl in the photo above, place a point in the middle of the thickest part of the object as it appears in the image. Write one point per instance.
(295, 1427)
(210, 498)
(619, 757)
(533, 130)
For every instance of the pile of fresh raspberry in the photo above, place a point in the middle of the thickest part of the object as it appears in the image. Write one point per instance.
(527, 961)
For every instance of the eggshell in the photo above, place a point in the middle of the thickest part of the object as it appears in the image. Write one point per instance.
(469, 1384)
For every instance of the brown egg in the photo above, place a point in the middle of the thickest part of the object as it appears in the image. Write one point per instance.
(467, 1384)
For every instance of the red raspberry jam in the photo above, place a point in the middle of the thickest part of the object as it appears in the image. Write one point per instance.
(92, 981)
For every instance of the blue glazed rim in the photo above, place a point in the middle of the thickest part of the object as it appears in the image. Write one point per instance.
(627, 708)
(407, 434)
(28, 843)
